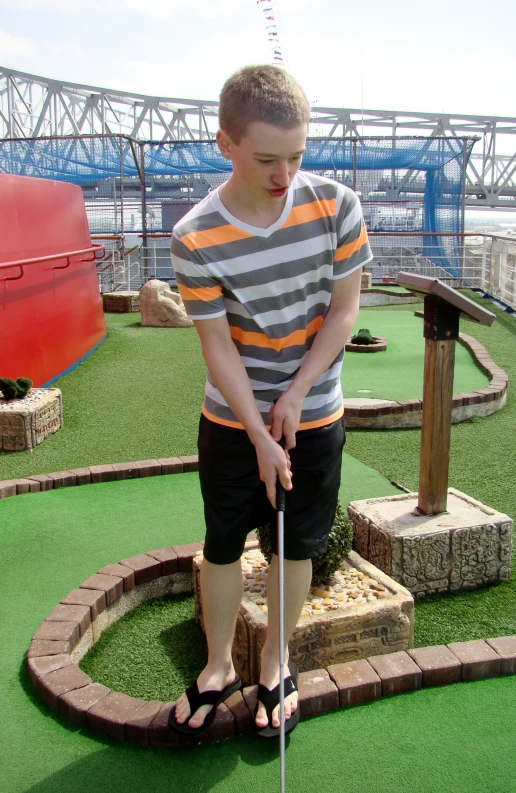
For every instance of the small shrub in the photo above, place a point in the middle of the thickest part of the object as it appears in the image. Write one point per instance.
(14, 389)
(340, 539)
(363, 337)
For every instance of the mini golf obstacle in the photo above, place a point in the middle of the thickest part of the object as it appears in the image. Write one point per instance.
(437, 539)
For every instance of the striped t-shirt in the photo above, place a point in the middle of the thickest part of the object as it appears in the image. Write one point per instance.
(274, 285)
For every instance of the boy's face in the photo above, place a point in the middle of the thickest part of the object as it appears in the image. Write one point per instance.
(266, 159)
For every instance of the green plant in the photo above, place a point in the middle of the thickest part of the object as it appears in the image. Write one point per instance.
(14, 389)
(340, 539)
(363, 337)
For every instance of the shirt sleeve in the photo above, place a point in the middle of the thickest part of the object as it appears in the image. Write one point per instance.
(200, 291)
(353, 249)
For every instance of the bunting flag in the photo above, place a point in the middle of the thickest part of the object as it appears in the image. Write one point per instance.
(271, 14)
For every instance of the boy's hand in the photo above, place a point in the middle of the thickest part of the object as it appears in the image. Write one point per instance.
(274, 464)
(285, 415)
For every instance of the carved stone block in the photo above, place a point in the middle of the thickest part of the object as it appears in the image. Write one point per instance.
(120, 302)
(349, 633)
(161, 307)
(25, 423)
(467, 546)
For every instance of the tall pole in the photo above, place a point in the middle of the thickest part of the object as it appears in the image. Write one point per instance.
(441, 330)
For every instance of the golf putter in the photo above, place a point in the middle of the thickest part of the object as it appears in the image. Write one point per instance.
(280, 514)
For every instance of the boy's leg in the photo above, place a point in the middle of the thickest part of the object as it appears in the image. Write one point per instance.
(309, 512)
(221, 587)
(297, 579)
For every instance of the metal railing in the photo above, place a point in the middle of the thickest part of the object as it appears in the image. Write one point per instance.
(484, 261)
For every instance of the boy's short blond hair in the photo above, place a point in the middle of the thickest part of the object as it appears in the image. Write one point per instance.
(261, 93)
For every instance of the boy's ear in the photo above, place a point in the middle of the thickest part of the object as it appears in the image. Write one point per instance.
(224, 144)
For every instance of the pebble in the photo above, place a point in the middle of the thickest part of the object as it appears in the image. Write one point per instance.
(347, 587)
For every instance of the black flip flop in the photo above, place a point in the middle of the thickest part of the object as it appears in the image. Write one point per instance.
(197, 699)
(270, 699)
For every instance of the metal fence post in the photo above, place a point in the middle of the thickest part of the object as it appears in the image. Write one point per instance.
(463, 211)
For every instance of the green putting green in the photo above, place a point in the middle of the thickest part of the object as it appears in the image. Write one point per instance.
(126, 402)
(397, 373)
(139, 395)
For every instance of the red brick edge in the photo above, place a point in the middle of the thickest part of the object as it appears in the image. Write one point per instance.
(74, 695)
(98, 473)
(494, 391)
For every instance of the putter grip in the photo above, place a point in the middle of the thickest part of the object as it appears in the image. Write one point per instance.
(280, 490)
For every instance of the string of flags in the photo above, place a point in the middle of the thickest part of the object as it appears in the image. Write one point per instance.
(272, 20)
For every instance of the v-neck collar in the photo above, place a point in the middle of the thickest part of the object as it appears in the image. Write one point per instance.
(255, 230)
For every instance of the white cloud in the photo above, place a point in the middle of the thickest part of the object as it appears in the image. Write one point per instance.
(153, 8)
(200, 74)
(15, 46)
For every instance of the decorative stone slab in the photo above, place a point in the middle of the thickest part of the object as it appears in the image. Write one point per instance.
(190, 463)
(398, 673)
(27, 422)
(111, 585)
(67, 632)
(317, 693)
(344, 633)
(68, 613)
(62, 479)
(356, 681)
(167, 557)
(478, 659)
(505, 646)
(380, 345)
(171, 465)
(438, 665)
(120, 302)
(186, 554)
(468, 546)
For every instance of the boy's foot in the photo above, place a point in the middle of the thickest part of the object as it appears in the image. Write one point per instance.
(267, 718)
(195, 710)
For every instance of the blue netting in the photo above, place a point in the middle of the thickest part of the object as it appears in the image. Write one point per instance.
(412, 183)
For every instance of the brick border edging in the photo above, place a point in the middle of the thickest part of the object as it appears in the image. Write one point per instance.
(495, 392)
(98, 473)
(72, 628)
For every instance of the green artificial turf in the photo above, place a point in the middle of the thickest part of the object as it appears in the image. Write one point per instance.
(139, 395)
(397, 373)
(52, 541)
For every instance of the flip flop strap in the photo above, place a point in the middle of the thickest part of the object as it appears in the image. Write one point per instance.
(197, 699)
(270, 696)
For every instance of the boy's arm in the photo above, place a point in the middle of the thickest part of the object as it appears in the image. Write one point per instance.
(230, 377)
(329, 341)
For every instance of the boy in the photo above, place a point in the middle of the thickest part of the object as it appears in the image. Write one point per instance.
(269, 268)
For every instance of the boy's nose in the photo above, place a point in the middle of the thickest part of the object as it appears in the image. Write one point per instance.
(280, 175)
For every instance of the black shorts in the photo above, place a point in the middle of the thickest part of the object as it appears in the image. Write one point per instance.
(235, 500)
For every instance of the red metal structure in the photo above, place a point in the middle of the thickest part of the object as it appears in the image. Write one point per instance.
(51, 313)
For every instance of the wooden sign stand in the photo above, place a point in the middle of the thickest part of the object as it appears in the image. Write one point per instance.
(443, 307)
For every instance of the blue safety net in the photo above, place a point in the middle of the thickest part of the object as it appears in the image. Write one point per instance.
(406, 185)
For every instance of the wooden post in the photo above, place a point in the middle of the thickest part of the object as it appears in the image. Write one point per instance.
(441, 330)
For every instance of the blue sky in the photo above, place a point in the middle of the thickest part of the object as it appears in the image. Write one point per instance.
(454, 56)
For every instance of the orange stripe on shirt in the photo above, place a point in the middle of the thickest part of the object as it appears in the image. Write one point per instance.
(253, 339)
(219, 235)
(205, 293)
(308, 425)
(345, 251)
(307, 212)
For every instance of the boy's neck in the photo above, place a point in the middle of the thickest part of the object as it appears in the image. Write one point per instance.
(249, 209)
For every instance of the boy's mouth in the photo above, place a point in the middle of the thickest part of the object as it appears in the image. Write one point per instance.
(278, 192)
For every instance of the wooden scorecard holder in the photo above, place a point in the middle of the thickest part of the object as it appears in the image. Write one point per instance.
(442, 308)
